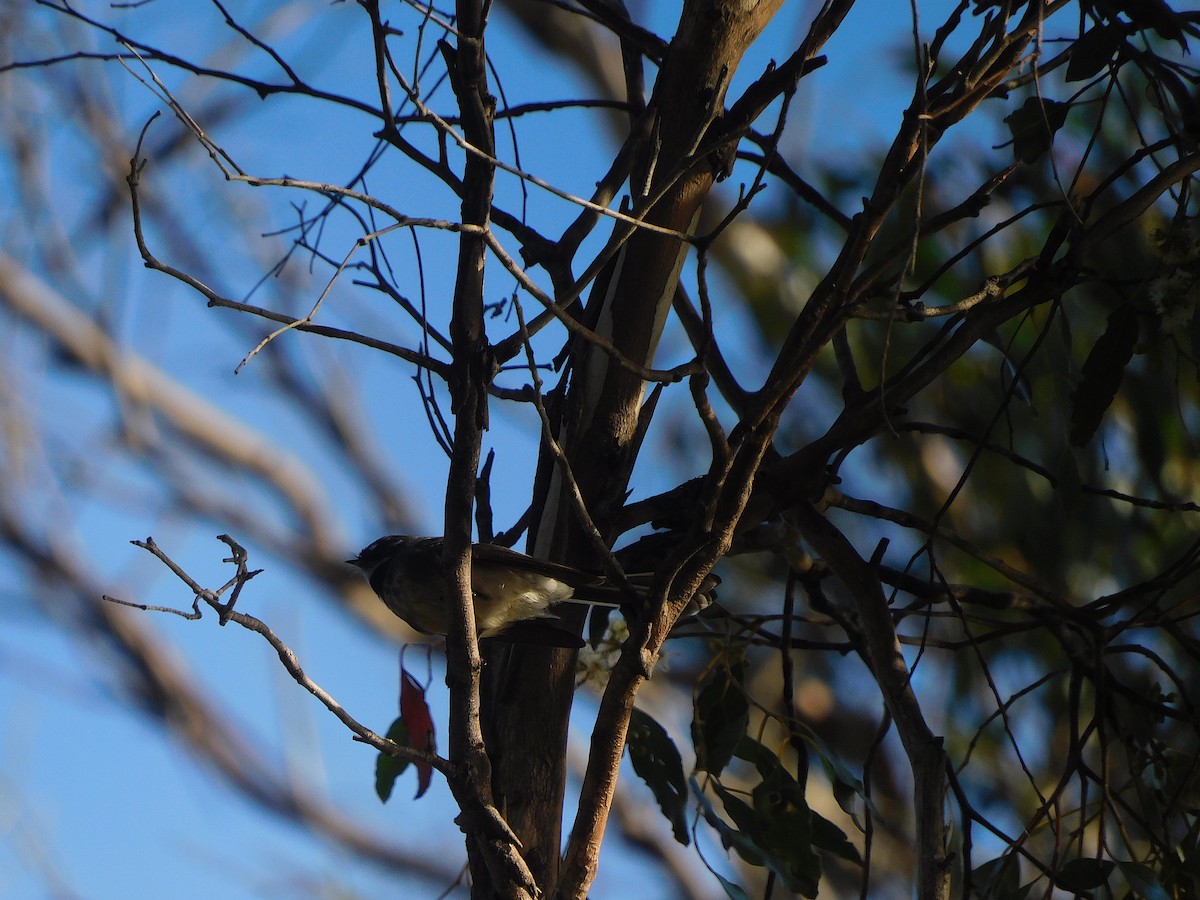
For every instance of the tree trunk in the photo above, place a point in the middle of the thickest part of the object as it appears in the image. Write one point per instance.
(531, 688)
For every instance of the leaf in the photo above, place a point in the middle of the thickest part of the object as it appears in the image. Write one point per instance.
(777, 821)
(1094, 50)
(656, 761)
(754, 751)
(1023, 388)
(1102, 374)
(415, 713)
(743, 837)
(721, 717)
(1143, 880)
(1083, 874)
(1033, 127)
(828, 836)
(727, 835)
(414, 728)
(730, 837)
(999, 877)
(847, 787)
(1156, 15)
(389, 768)
(825, 835)
(732, 890)
(778, 830)
(787, 832)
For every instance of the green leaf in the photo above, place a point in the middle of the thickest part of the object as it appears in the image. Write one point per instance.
(389, 768)
(999, 877)
(757, 753)
(721, 717)
(1102, 374)
(777, 824)
(1143, 880)
(1083, 874)
(1033, 127)
(827, 836)
(742, 838)
(786, 832)
(847, 787)
(730, 837)
(414, 728)
(656, 761)
(824, 835)
(733, 890)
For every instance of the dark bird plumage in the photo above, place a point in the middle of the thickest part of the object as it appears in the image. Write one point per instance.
(510, 588)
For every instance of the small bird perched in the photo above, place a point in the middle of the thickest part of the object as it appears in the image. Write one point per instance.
(509, 587)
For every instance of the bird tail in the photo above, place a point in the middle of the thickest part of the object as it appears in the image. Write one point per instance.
(614, 596)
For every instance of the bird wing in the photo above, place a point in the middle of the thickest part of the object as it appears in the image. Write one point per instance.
(494, 553)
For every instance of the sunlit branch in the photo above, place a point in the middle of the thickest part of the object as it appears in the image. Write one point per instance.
(226, 613)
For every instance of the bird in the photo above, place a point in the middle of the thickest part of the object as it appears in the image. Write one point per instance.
(511, 590)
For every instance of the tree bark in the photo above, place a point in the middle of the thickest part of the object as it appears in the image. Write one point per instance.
(531, 688)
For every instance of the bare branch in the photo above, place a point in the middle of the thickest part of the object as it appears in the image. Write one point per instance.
(286, 655)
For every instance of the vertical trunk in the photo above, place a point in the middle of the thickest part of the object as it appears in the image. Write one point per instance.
(530, 688)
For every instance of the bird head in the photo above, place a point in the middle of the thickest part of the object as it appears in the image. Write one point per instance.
(378, 552)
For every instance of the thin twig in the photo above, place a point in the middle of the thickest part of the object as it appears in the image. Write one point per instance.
(287, 656)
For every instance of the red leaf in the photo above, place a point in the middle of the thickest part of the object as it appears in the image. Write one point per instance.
(415, 713)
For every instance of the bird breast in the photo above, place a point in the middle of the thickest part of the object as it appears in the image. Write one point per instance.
(502, 598)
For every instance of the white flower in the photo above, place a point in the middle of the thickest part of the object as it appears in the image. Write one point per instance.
(595, 663)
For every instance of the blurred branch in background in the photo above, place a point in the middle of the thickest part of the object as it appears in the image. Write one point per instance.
(934, 279)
